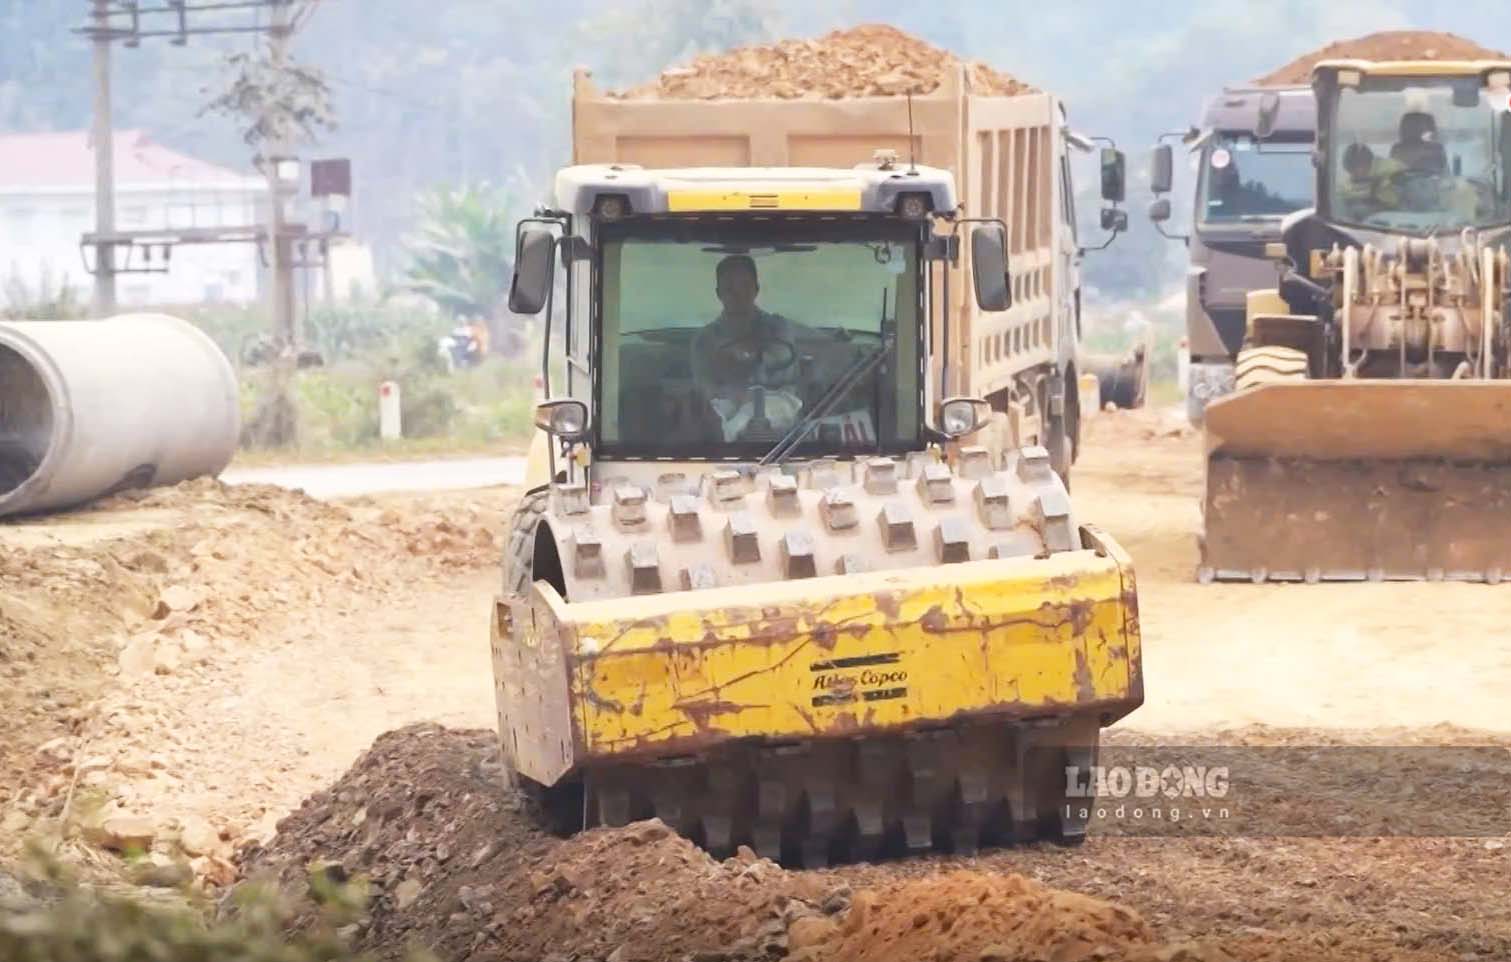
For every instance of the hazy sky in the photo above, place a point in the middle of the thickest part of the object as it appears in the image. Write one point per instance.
(434, 91)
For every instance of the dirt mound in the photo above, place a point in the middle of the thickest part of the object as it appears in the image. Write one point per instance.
(102, 608)
(874, 60)
(458, 865)
(1387, 45)
(970, 916)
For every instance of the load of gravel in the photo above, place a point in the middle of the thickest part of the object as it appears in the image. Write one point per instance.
(1386, 45)
(874, 60)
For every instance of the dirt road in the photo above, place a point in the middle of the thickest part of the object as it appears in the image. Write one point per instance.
(215, 656)
(1329, 655)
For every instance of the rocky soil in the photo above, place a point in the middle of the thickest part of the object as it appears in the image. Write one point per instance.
(122, 629)
(867, 61)
(200, 680)
(1387, 45)
(459, 865)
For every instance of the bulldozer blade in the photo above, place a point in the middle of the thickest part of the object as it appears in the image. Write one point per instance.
(1359, 480)
(1457, 421)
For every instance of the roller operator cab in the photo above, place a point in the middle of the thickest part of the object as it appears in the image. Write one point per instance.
(767, 584)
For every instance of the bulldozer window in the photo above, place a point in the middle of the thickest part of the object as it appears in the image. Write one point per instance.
(1412, 157)
(718, 337)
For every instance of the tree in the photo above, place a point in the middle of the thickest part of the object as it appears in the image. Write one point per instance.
(462, 256)
(278, 103)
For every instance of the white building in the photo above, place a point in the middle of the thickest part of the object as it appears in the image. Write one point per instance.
(47, 203)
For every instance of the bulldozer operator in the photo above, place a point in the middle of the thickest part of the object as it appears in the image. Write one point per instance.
(745, 348)
(1371, 185)
(1415, 177)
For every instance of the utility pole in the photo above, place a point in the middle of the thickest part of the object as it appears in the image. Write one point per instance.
(282, 288)
(132, 21)
(104, 163)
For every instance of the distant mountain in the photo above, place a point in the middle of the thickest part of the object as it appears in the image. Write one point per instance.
(452, 90)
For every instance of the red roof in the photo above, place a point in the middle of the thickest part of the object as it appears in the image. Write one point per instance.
(66, 159)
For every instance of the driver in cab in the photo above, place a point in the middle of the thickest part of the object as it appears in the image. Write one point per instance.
(745, 347)
(1371, 186)
(1415, 177)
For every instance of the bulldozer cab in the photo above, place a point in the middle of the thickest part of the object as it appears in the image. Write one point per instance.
(1420, 149)
(1369, 435)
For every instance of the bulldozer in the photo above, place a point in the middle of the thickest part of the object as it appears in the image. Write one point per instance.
(765, 583)
(1369, 434)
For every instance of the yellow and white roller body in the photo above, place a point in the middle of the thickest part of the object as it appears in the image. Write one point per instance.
(917, 649)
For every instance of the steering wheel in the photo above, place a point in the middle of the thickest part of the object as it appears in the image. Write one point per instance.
(761, 359)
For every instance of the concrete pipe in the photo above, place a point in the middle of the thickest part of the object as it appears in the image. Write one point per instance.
(90, 408)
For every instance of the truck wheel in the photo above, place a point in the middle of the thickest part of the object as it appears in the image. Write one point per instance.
(1058, 439)
(1062, 431)
(1270, 364)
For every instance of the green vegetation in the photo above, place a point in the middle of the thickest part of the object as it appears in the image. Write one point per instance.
(462, 256)
(52, 299)
(486, 407)
(71, 923)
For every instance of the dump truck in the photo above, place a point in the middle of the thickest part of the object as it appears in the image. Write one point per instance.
(1011, 159)
(1369, 434)
(1252, 156)
(777, 579)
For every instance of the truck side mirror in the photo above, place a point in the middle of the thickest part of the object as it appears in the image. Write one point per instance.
(989, 267)
(1114, 220)
(534, 270)
(1159, 210)
(1114, 174)
(1162, 171)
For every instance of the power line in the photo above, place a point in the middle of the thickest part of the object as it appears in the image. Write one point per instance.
(131, 22)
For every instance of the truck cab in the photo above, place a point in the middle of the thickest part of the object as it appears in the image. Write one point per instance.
(1252, 156)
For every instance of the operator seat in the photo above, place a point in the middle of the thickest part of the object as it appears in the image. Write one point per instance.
(1418, 148)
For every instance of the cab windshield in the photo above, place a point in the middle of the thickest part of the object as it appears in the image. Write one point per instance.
(719, 337)
(1426, 157)
(1246, 182)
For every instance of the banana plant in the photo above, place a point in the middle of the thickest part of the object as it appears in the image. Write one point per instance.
(462, 255)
